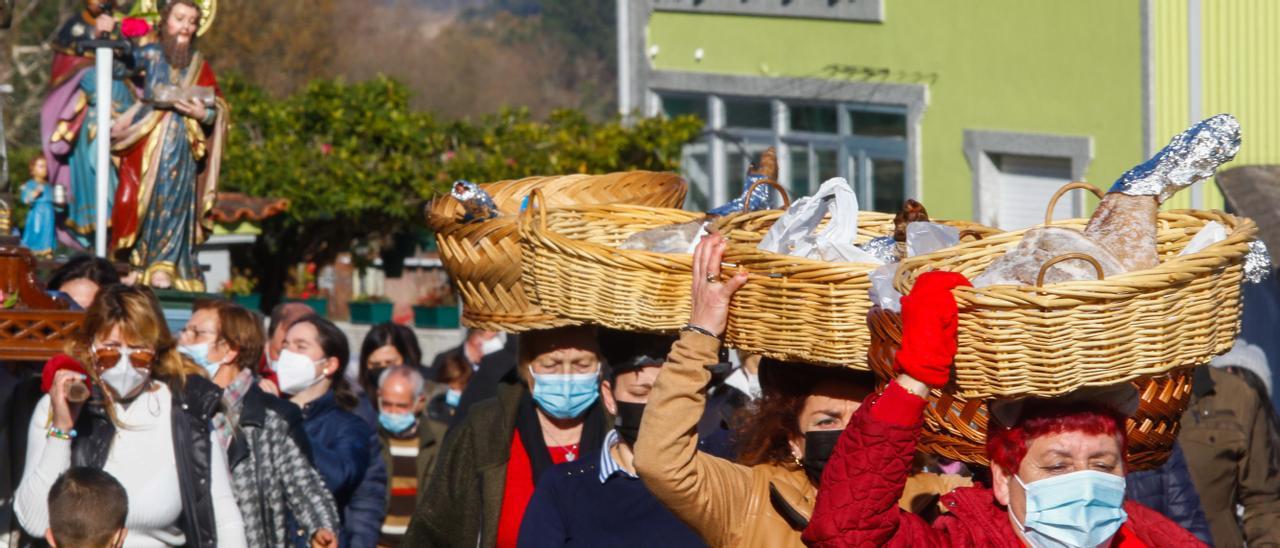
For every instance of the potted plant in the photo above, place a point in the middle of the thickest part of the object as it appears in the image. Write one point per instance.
(436, 309)
(302, 288)
(370, 309)
(240, 290)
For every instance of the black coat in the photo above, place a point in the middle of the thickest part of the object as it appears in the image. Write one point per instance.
(193, 408)
(1169, 490)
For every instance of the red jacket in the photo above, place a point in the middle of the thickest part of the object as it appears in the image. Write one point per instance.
(858, 501)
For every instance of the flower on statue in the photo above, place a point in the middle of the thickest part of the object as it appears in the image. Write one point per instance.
(133, 27)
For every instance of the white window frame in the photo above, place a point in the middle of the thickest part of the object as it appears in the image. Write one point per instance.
(980, 146)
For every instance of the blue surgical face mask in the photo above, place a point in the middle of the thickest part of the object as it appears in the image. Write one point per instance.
(565, 396)
(199, 353)
(1078, 509)
(396, 422)
(452, 397)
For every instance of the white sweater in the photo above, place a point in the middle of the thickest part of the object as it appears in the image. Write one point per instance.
(142, 460)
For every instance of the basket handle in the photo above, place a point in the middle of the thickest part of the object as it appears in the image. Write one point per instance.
(1053, 202)
(535, 196)
(786, 200)
(1044, 269)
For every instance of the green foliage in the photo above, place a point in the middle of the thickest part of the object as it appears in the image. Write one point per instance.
(358, 165)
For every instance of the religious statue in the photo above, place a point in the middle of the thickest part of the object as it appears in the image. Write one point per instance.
(37, 232)
(67, 123)
(170, 145)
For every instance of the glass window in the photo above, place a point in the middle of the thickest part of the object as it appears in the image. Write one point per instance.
(814, 118)
(696, 164)
(799, 171)
(828, 166)
(680, 105)
(878, 124)
(746, 113)
(888, 185)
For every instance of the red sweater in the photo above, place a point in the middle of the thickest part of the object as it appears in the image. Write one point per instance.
(858, 502)
(518, 488)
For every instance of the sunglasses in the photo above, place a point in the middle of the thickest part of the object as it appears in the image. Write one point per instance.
(108, 357)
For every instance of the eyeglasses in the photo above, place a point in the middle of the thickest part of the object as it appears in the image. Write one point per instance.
(196, 333)
(108, 356)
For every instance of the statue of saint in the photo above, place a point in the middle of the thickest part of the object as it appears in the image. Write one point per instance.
(37, 232)
(170, 145)
(68, 127)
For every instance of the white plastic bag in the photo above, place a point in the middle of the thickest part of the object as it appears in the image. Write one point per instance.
(882, 292)
(795, 232)
(924, 237)
(1212, 233)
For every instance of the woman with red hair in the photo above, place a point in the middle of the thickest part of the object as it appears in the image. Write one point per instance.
(1057, 466)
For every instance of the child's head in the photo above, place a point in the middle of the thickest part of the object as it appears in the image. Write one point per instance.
(87, 509)
(39, 169)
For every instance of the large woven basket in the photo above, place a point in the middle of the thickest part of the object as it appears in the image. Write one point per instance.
(484, 258)
(574, 269)
(1046, 341)
(797, 309)
(956, 427)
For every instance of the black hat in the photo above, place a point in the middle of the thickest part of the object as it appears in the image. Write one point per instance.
(1121, 398)
(628, 351)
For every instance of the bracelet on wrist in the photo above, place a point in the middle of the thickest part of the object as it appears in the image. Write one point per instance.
(55, 432)
(699, 329)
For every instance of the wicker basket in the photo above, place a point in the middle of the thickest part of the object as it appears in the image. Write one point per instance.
(484, 258)
(797, 309)
(1024, 340)
(956, 428)
(575, 270)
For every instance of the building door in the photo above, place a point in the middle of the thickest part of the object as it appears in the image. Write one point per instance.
(1026, 184)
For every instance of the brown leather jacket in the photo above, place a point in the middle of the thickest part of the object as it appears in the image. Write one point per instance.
(1228, 439)
(728, 504)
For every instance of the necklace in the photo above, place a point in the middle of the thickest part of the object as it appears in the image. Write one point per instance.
(570, 449)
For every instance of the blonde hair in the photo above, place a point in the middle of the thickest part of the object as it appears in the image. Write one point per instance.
(137, 313)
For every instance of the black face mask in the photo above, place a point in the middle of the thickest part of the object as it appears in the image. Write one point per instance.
(371, 378)
(818, 445)
(627, 423)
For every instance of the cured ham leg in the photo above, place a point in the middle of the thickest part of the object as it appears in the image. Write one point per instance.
(1125, 226)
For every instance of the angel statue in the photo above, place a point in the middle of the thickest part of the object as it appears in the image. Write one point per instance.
(170, 144)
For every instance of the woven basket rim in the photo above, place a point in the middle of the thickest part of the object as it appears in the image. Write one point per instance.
(1168, 273)
(531, 229)
(443, 210)
(799, 265)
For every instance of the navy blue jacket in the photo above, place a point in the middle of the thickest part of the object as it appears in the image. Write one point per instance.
(348, 456)
(1168, 490)
(571, 507)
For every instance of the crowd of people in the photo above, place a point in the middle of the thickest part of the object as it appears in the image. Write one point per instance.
(247, 431)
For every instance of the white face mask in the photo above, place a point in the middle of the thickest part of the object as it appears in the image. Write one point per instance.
(494, 344)
(296, 372)
(124, 378)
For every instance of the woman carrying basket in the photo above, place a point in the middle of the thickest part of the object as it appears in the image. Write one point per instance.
(1057, 469)
(766, 498)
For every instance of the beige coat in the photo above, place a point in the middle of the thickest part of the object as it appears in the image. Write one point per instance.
(728, 504)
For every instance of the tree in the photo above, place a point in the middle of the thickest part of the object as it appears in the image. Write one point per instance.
(358, 164)
(279, 45)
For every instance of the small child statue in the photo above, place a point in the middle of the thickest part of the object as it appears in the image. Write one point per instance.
(38, 233)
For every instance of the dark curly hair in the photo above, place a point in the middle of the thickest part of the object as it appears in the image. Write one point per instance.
(765, 427)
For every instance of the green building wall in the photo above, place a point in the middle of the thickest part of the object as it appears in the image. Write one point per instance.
(1240, 63)
(1063, 68)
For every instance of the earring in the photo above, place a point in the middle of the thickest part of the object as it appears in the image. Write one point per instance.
(797, 460)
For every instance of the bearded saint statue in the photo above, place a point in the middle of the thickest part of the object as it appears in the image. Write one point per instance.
(170, 156)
